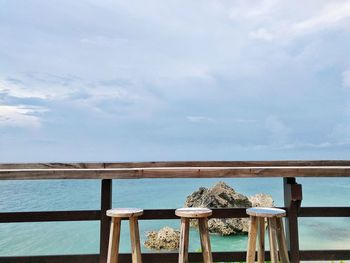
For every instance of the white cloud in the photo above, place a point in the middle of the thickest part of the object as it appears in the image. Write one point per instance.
(103, 41)
(19, 91)
(199, 119)
(285, 20)
(262, 34)
(335, 14)
(249, 10)
(20, 116)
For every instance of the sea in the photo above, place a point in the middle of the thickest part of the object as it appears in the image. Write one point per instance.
(82, 237)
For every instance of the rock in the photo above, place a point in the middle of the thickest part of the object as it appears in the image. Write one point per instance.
(262, 200)
(223, 196)
(166, 238)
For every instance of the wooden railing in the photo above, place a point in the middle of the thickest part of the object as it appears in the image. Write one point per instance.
(288, 170)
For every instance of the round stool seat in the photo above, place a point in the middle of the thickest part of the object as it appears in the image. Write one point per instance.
(193, 212)
(266, 212)
(124, 212)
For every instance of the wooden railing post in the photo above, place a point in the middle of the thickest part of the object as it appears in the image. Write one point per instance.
(292, 201)
(106, 203)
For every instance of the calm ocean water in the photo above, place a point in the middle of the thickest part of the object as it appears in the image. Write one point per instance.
(83, 237)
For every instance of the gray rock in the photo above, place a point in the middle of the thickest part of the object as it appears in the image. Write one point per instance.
(166, 238)
(223, 196)
(261, 200)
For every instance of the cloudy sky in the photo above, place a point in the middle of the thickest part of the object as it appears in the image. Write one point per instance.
(110, 80)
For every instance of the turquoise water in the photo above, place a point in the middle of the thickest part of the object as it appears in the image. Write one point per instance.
(83, 237)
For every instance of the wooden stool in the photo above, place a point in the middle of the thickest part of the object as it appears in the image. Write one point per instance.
(202, 215)
(275, 226)
(114, 236)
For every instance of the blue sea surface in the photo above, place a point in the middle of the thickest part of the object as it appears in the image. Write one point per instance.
(83, 237)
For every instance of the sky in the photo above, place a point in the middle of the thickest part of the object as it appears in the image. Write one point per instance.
(116, 80)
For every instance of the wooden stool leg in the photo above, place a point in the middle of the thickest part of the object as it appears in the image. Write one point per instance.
(184, 235)
(252, 239)
(135, 240)
(205, 240)
(281, 238)
(114, 237)
(272, 239)
(261, 243)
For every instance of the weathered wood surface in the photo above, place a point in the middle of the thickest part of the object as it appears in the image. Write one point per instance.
(272, 239)
(55, 216)
(252, 235)
(184, 239)
(135, 240)
(91, 165)
(193, 212)
(292, 200)
(281, 240)
(114, 239)
(124, 212)
(106, 204)
(261, 240)
(174, 172)
(308, 255)
(205, 240)
(266, 212)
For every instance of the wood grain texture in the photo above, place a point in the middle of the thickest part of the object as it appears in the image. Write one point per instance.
(106, 203)
(124, 212)
(292, 201)
(261, 242)
(266, 212)
(272, 239)
(135, 240)
(281, 240)
(205, 240)
(193, 212)
(251, 248)
(175, 172)
(114, 238)
(307, 255)
(184, 239)
(93, 165)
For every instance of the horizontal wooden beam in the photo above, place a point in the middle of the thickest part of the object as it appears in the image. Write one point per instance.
(324, 212)
(149, 214)
(126, 258)
(175, 164)
(51, 259)
(306, 255)
(49, 216)
(152, 214)
(323, 255)
(175, 172)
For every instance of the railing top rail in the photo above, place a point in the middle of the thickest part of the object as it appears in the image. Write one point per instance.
(58, 165)
(144, 170)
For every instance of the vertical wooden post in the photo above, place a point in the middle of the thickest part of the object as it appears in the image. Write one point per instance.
(261, 242)
(184, 238)
(135, 240)
(205, 240)
(106, 203)
(292, 201)
(272, 239)
(251, 248)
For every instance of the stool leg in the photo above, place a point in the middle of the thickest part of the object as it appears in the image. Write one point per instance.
(205, 240)
(252, 239)
(281, 238)
(184, 235)
(272, 239)
(114, 237)
(135, 240)
(261, 242)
